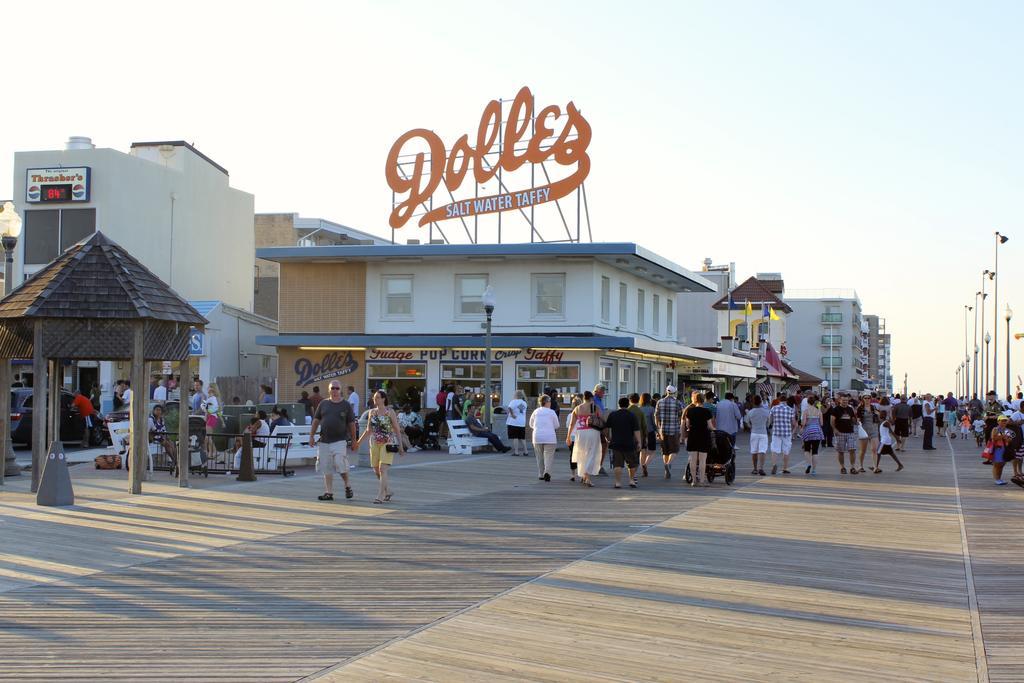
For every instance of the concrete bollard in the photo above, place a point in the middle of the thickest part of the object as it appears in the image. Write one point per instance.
(55, 481)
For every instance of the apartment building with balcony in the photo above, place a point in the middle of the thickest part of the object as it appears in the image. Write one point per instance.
(879, 354)
(827, 333)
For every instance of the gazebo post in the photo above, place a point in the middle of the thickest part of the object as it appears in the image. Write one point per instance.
(39, 382)
(53, 404)
(140, 396)
(184, 458)
(5, 410)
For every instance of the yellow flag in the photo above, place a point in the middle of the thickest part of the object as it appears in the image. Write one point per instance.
(772, 315)
(748, 309)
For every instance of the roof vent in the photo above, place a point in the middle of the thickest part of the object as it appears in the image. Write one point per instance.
(412, 242)
(79, 142)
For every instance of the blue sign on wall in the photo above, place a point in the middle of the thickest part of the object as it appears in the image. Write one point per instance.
(196, 342)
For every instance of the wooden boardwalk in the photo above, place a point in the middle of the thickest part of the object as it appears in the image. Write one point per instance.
(479, 571)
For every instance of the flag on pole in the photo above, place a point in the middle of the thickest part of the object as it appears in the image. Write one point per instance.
(732, 304)
(764, 310)
(748, 309)
(772, 315)
(772, 360)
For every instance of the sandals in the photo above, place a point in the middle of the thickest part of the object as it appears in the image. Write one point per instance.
(387, 498)
(842, 471)
(877, 470)
(786, 472)
(326, 496)
(378, 501)
(861, 470)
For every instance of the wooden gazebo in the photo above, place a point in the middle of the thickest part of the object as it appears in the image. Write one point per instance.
(95, 302)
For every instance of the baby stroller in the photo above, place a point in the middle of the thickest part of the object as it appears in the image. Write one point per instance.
(432, 430)
(721, 460)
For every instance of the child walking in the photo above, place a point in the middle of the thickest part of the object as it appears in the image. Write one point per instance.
(885, 442)
(965, 426)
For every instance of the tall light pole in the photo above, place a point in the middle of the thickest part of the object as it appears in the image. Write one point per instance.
(1008, 315)
(977, 341)
(488, 302)
(967, 357)
(984, 295)
(10, 226)
(988, 338)
(1000, 239)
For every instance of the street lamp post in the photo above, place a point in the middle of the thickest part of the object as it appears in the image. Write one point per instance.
(1000, 239)
(1008, 315)
(984, 295)
(488, 301)
(967, 357)
(11, 229)
(988, 338)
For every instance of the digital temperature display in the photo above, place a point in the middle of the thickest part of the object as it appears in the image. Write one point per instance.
(57, 185)
(55, 193)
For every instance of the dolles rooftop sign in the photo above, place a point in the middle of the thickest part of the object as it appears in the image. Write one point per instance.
(569, 148)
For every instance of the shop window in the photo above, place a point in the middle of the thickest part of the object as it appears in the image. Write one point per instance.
(625, 380)
(641, 309)
(564, 378)
(396, 296)
(606, 300)
(656, 314)
(469, 291)
(403, 382)
(548, 295)
(622, 305)
(472, 376)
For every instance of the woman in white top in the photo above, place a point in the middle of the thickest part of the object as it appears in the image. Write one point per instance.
(211, 408)
(544, 423)
(586, 452)
(515, 423)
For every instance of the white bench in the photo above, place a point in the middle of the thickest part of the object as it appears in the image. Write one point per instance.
(461, 441)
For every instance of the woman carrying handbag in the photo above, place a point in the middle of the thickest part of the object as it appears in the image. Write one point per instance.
(383, 429)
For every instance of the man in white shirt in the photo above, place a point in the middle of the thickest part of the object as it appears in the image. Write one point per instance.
(353, 398)
(928, 422)
(160, 393)
(126, 396)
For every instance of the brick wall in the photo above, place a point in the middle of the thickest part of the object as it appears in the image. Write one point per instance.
(323, 298)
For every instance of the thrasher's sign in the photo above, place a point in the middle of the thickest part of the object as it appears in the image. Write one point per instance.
(418, 185)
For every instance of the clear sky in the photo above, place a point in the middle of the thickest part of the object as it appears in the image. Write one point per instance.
(867, 145)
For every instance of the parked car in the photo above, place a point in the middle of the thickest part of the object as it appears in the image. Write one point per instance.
(72, 425)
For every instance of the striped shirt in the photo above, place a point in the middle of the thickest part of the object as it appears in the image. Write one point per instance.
(781, 418)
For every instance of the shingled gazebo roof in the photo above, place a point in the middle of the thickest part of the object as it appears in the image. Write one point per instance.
(88, 301)
(98, 279)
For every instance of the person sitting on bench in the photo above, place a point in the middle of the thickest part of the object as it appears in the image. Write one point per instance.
(477, 429)
(158, 431)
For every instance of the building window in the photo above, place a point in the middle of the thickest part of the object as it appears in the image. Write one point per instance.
(625, 380)
(641, 309)
(50, 232)
(549, 295)
(622, 305)
(403, 382)
(606, 300)
(396, 296)
(469, 291)
(741, 332)
(563, 378)
(472, 376)
(670, 326)
(656, 314)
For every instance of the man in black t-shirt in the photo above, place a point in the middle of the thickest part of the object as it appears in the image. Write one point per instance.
(844, 421)
(622, 430)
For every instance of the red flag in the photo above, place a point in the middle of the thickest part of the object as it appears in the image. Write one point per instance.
(772, 360)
